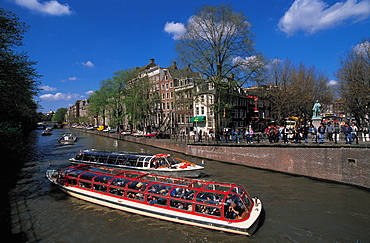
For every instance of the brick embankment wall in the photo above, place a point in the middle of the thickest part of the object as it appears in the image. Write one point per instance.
(349, 165)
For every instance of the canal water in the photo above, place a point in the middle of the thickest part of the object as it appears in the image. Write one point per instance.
(297, 209)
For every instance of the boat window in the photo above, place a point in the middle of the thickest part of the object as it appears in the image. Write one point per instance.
(159, 189)
(103, 159)
(132, 174)
(183, 193)
(86, 157)
(234, 207)
(162, 162)
(117, 191)
(101, 188)
(198, 184)
(112, 159)
(135, 195)
(238, 189)
(173, 161)
(138, 185)
(209, 210)
(88, 176)
(120, 182)
(103, 179)
(131, 161)
(217, 187)
(158, 200)
(183, 205)
(120, 160)
(94, 158)
(210, 198)
(85, 184)
(152, 178)
(78, 157)
(72, 182)
(75, 173)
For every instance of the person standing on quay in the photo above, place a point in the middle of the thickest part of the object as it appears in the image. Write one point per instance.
(330, 131)
(354, 132)
(321, 133)
(347, 130)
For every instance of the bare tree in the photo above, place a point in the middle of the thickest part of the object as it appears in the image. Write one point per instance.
(354, 81)
(292, 90)
(217, 42)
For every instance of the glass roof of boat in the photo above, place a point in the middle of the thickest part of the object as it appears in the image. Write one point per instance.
(207, 185)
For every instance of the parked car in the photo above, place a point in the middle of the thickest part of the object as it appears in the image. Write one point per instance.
(125, 132)
(113, 130)
(137, 134)
(151, 135)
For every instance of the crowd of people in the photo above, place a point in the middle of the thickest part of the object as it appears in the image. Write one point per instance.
(329, 132)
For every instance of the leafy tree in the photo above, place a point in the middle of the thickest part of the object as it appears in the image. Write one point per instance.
(354, 81)
(18, 85)
(217, 42)
(59, 115)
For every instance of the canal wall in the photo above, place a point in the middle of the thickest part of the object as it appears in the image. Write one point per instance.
(344, 164)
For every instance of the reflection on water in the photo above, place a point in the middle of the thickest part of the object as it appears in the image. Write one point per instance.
(297, 209)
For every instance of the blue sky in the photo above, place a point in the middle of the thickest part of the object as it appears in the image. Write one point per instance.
(78, 44)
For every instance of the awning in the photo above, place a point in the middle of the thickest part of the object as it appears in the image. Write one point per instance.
(197, 119)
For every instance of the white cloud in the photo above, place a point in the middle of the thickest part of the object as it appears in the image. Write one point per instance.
(311, 16)
(72, 78)
(248, 62)
(89, 92)
(60, 96)
(362, 49)
(88, 64)
(52, 7)
(332, 83)
(48, 88)
(175, 29)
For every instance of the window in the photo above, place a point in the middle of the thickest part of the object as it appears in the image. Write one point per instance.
(202, 110)
(171, 85)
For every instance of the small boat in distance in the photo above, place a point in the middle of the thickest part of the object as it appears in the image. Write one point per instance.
(161, 164)
(224, 207)
(46, 132)
(67, 137)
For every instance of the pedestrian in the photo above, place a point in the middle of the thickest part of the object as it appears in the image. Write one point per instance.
(330, 131)
(321, 133)
(250, 135)
(304, 131)
(354, 132)
(313, 132)
(347, 130)
(284, 133)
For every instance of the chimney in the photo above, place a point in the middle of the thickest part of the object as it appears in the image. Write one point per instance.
(151, 60)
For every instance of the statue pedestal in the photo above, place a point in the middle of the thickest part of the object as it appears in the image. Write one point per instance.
(316, 122)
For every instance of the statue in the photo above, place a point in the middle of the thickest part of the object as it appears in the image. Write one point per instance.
(316, 110)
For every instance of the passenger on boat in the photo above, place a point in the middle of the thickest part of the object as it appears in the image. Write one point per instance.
(233, 212)
(152, 200)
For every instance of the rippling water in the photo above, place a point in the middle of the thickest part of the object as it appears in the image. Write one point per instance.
(297, 209)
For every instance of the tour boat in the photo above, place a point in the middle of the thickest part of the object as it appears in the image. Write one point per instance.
(223, 207)
(46, 132)
(67, 137)
(155, 164)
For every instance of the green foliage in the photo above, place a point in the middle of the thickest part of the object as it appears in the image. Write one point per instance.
(18, 84)
(215, 43)
(12, 139)
(59, 115)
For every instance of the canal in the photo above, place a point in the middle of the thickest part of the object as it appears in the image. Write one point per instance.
(297, 209)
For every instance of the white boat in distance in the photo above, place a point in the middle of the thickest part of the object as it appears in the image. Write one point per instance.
(67, 137)
(156, 164)
(218, 206)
